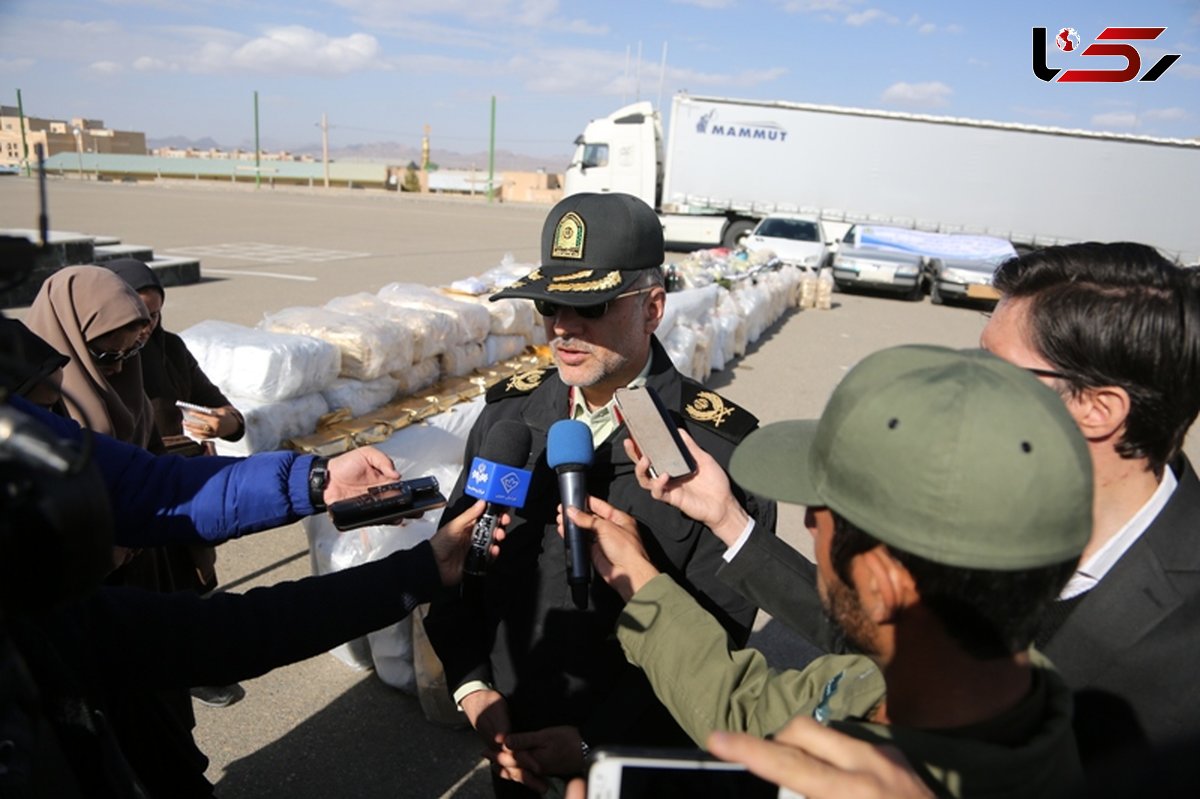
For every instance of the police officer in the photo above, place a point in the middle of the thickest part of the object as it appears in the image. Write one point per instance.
(527, 658)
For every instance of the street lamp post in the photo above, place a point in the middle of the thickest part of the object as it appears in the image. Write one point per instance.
(79, 149)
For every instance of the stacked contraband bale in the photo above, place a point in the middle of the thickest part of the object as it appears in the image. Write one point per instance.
(323, 369)
(728, 299)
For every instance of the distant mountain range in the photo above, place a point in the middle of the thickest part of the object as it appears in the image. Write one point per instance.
(390, 152)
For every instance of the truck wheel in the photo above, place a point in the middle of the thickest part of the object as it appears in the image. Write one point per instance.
(735, 232)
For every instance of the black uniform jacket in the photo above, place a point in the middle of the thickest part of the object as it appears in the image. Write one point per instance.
(554, 663)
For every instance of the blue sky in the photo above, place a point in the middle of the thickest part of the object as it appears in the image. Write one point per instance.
(382, 69)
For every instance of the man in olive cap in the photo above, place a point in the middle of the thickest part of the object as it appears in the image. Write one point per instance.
(523, 656)
(949, 495)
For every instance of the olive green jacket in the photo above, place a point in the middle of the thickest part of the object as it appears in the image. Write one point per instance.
(1028, 751)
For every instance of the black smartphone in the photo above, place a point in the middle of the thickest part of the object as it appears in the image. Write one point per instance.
(667, 773)
(654, 431)
(388, 504)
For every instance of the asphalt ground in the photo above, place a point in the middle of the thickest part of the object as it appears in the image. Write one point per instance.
(318, 728)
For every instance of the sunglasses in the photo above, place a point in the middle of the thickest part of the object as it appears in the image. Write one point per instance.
(547, 308)
(116, 356)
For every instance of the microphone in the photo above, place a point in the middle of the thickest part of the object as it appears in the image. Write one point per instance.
(496, 476)
(569, 452)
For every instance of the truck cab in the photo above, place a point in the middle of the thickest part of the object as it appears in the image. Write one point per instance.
(620, 153)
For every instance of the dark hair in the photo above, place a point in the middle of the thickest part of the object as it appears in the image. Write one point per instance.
(1118, 314)
(989, 613)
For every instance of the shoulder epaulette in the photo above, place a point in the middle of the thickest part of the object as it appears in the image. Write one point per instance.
(709, 409)
(518, 385)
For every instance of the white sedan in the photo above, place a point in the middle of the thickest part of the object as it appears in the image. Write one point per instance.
(795, 239)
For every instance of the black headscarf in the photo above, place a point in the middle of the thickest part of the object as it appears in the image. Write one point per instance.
(140, 277)
(28, 360)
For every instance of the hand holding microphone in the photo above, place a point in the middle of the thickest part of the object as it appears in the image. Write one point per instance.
(569, 452)
(496, 477)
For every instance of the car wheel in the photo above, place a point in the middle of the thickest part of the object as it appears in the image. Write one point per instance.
(735, 232)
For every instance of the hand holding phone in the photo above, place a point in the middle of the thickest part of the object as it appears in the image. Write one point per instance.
(654, 773)
(388, 504)
(654, 432)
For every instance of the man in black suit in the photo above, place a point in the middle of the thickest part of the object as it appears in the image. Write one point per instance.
(1115, 329)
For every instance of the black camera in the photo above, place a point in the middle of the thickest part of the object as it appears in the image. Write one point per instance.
(388, 504)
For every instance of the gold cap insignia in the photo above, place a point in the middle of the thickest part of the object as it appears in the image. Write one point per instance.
(576, 281)
(568, 237)
(708, 407)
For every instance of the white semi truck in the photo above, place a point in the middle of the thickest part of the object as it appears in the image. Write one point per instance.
(727, 163)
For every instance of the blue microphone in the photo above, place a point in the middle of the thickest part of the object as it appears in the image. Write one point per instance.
(496, 477)
(569, 452)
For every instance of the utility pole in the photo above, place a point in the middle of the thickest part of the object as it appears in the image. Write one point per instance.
(492, 155)
(325, 146)
(257, 149)
(24, 143)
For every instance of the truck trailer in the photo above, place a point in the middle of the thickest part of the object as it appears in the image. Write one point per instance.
(727, 163)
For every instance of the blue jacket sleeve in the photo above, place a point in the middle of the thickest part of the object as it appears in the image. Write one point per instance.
(166, 499)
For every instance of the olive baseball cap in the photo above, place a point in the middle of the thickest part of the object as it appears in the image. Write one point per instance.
(952, 455)
(594, 247)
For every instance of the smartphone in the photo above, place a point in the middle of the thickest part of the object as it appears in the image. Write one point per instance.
(668, 773)
(654, 431)
(388, 504)
(187, 406)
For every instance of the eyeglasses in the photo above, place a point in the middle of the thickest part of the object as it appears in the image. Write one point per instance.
(116, 356)
(547, 308)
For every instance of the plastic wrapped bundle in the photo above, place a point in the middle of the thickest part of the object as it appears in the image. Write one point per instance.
(702, 360)
(261, 365)
(501, 348)
(418, 376)
(509, 317)
(371, 346)
(360, 397)
(506, 273)
(462, 359)
(472, 321)
(752, 305)
(431, 331)
(680, 344)
(269, 424)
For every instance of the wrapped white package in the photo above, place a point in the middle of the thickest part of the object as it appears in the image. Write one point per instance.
(680, 344)
(268, 424)
(421, 374)
(472, 286)
(509, 316)
(261, 365)
(371, 346)
(432, 448)
(702, 360)
(501, 348)
(430, 330)
(507, 272)
(462, 359)
(472, 320)
(358, 396)
(752, 305)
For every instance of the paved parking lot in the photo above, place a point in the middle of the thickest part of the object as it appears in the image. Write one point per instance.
(317, 728)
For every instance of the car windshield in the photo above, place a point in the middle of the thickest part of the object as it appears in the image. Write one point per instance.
(795, 229)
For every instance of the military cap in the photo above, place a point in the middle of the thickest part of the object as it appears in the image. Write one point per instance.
(594, 247)
(955, 456)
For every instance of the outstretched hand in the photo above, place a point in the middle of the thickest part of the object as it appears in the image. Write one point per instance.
(452, 541)
(353, 472)
(821, 763)
(617, 551)
(704, 495)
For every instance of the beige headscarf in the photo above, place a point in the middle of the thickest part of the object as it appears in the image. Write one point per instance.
(79, 304)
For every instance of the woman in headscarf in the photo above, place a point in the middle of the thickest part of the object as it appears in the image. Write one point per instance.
(170, 373)
(97, 321)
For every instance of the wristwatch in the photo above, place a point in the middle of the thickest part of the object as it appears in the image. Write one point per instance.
(318, 481)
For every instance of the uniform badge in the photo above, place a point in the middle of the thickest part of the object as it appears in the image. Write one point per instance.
(568, 237)
(708, 407)
(526, 381)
